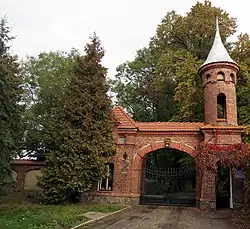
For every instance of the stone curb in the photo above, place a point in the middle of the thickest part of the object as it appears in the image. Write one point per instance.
(93, 220)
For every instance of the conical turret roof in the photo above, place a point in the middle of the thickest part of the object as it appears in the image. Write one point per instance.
(218, 52)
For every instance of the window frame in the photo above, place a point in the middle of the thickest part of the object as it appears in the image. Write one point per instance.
(232, 77)
(109, 178)
(208, 78)
(222, 101)
(220, 73)
(123, 142)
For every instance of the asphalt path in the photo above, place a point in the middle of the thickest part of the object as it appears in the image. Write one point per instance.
(151, 217)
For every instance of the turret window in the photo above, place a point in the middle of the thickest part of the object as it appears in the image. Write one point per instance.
(220, 76)
(232, 77)
(208, 77)
(221, 106)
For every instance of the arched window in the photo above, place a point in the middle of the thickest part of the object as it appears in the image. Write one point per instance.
(221, 106)
(208, 77)
(232, 77)
(220, 76)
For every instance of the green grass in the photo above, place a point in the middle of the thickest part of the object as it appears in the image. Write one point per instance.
(21, 216)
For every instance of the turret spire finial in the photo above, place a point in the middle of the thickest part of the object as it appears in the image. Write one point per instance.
(218, 52)
(217, 23)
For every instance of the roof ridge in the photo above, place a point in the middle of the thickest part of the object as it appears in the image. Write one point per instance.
(171, 122)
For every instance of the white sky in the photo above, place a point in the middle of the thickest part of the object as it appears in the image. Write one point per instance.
(123, 26)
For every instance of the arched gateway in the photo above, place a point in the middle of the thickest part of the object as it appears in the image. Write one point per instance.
(168, 173)
(168, 177)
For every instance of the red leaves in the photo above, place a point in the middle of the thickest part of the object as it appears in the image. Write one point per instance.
(233, 155)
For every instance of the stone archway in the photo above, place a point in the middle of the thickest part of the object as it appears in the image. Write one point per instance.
(31, 179)
(143, 151)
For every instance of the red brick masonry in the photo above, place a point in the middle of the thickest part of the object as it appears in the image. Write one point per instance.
(141, 139)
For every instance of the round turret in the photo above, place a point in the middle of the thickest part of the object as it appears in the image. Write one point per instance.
(219, 74)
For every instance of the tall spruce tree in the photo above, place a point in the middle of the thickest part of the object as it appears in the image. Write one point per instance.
(10, 108)
(83, 140)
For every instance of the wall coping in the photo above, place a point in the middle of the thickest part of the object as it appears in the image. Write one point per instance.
(27, 162)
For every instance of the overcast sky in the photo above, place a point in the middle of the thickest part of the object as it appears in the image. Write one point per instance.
(122, 25)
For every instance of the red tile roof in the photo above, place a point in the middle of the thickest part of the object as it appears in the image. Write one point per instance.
(205, 127)
(169, 126)
(124, 119)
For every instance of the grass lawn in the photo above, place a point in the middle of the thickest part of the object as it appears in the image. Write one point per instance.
(34, 216)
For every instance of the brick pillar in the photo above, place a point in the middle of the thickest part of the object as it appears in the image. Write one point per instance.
(20, 179)
(208, 190)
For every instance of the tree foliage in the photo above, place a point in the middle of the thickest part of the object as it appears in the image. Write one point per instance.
(241, 54)
(10, 107)
(46, 79)
(162, 83)
(82, 137)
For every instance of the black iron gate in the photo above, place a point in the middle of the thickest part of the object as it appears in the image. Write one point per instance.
(168, 186)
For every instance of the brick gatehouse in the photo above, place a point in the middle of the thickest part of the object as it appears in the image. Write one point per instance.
(135, 141)
(135, 177)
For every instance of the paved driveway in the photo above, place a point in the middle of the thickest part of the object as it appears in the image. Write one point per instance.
(147, 217)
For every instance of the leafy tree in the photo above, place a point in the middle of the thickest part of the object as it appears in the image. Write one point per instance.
(46, 78)
(241, 54)
(171, 63)
(188, 90)
(193, 32)
(10, 107)
(82, 138)
(145, 88)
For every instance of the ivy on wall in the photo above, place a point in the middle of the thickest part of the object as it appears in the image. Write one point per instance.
(234, 155)
(228, 155)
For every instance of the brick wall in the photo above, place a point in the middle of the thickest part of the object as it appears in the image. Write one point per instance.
(26, 171)
(128, 173)
(127, 182)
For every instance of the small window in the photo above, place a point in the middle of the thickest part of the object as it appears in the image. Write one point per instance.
(106, 184)
(232, 77)
(208, 77)
(221, 106)
(121, 140)
(220, 76)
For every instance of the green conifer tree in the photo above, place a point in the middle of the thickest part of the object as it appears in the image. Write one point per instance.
(82, 138)
(10, 108)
